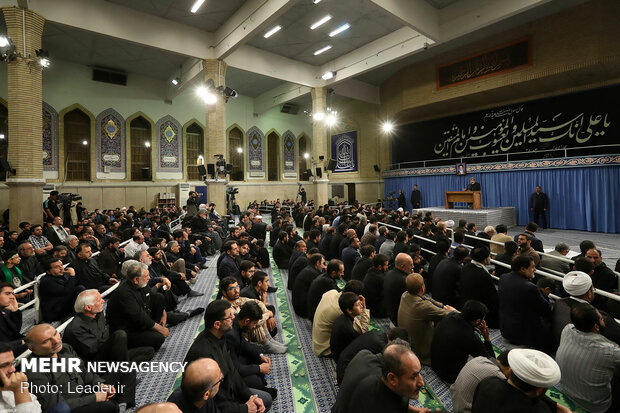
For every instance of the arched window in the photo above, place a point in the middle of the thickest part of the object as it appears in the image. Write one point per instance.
(273, 157)
(4, 135)
(195, 148)
(235, 154)
(140, 130)
(303, 162)
(77, 146)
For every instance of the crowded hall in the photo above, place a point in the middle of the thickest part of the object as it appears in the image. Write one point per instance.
(309, 206)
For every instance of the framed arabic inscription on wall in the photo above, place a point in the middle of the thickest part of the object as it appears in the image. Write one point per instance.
(507, 57)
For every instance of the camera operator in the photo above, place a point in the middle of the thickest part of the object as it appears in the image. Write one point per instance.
(302, 194)
(192, 204)
(50, 207)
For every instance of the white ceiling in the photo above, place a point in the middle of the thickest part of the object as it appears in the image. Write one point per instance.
(156, 37)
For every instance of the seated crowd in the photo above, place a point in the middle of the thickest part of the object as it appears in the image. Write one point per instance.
(346, 267)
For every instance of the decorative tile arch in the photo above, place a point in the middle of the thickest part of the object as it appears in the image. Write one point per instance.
(110, 143)
(169, 148)
(289, 155)
(50, 139)
(255, 139)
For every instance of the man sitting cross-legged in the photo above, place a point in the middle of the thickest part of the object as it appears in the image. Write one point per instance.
(229, 289)
(234, 396)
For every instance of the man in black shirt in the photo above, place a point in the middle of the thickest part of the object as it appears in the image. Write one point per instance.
(394, 285)
(87, 272)
(373, 286)
(343, 333)
(400, 381)
(10, 320)
(447, 360)
(316, 265)
(233, 392)
(539, 202)
(324, 283)
(136, 309)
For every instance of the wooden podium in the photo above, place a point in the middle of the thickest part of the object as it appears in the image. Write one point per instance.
(471, 197)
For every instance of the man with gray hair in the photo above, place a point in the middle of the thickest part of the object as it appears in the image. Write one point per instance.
(137, 310)
(559, 265)
(90, 337)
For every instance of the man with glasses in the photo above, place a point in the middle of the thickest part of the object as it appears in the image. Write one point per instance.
(199, 386)
(15, 396)
(137, 310)
(232, 393)
(229, 289)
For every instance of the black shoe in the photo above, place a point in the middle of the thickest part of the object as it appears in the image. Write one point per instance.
(272, 289)
(272, 392)
(193, 293)
(196, 311)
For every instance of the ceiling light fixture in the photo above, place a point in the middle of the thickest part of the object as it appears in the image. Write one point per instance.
(319, 116)
(84, 142)
(340, 29)
(197, 5)
(326, 48)
(147, 144)
(239, 149)
(320, 22)
(328, 75)
(2, 136)
(207, 95)
(306, 155)
(272, 32)
(4, 41)
(175, 81)
(331, 119)
(316, 1)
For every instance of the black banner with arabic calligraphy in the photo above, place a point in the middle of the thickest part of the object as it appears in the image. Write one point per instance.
(576, 120)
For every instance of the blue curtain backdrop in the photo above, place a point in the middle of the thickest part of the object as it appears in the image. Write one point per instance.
(579, 198)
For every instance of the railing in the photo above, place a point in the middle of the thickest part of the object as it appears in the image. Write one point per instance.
(34, 285)
(177, 222)
(544, 272)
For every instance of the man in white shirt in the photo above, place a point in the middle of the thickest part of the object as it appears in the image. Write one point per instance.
(15, 396)
(136, 244)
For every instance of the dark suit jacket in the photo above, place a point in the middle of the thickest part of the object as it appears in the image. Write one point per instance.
(282, 255)
(86, 335)
(393, 288)
(446, 282)
(349, 257)
(294, 269)
(10, 330)
(245, 355)
(233, 392)
(342, 335)
(57, 296)
(373, 292)
(360, 268)
(477, 284)
(300, 290)
(521, 309)
(228, 268)
(319, 286)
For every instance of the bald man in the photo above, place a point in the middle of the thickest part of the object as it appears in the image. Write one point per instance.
(201, 382)
(45, 342)
(419, 315)
(159, 408)
(400, 381)
(394, 284)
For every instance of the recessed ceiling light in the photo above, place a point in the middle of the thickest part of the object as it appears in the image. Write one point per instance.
(272, 32)
(197, 5)
(326, 48)
(320, 22)
(340, 29)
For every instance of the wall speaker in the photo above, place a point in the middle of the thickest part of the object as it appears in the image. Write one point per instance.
(331, 165)
(376, 168)
(202, 170)
(211, 169)
(318, 172)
